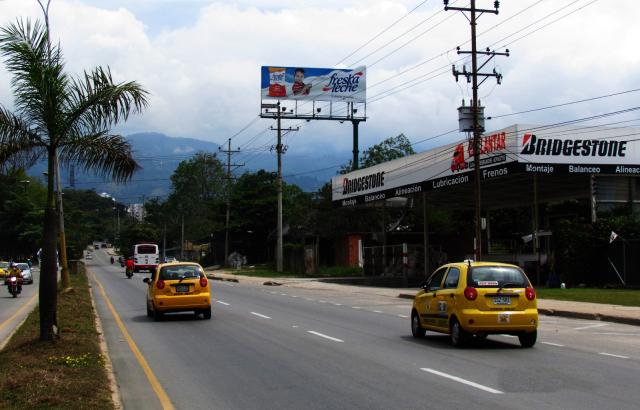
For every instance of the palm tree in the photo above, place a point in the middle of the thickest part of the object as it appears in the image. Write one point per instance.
(58, 117)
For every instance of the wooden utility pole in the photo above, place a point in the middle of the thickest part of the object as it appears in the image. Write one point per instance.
(280, 149)
(472, 77)
(228, 151)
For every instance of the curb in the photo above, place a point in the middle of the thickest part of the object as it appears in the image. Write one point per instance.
(108, 365)
(571, 314)
(591, 316)
(213, 277)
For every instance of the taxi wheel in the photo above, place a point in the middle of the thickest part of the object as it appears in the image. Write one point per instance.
(206, 313)
(528, 339)
(416, 328)
(149, 311)
(157, 315)
(457, 334)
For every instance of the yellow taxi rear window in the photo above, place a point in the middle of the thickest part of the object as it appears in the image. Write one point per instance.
(496, 276)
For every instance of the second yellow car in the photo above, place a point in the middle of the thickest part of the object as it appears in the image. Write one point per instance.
(178, 287)
(474, 299)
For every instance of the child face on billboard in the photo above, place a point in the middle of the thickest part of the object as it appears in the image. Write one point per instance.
(298, 77)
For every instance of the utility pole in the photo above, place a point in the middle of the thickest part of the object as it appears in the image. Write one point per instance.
(182, 239)
(280, 149)
(66, 282)
(228, 151)
(472, 77)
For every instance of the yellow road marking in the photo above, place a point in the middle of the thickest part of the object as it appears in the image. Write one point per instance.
(18, 312)
(153, 380)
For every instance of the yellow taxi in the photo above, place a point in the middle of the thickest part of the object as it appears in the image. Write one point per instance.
(178, 287)
(470, 300)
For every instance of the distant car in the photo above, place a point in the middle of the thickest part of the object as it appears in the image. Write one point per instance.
(170, 259)
(27, 275)
(475, 299)
(4, 268)
(88, 256)
(178, 287)
(96, 246)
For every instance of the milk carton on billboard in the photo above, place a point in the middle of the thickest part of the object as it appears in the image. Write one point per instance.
(314, 84)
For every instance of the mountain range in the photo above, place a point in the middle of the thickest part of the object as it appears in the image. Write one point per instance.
(160, 154)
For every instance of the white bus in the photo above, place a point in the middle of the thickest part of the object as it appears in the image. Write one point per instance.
(145, 257)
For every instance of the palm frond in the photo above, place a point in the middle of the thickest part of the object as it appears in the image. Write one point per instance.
(106, 154)
(20, 147)
(96, 102)
(37, 69)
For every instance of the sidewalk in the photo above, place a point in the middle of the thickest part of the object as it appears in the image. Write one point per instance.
(629, 315)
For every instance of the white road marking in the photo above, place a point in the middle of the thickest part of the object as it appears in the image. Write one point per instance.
(403, 316)
(260, 315)
(310, 300)
(293, 296)
(508, 336)
(273, 293)
(616, 334)
(222, 303)
(356, 307)
(283, 294)
(294, 326)
(337, 304)
(313, 332)
(613, 355)
(460, 380)
(322, 301)
(591, 326)
(376, 311)
(552, 344)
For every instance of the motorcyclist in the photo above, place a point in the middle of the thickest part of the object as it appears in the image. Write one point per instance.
(130, 265)
(112, 260)
(14, 271)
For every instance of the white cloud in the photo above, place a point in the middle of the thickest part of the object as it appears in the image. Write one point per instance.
(203, 68)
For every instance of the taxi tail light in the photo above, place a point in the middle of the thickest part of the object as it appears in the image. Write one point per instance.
(203, 282)
(470, 293)
(160, 284)
(530, 293)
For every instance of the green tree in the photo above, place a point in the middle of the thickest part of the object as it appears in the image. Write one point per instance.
(61, 118)
(387, 150)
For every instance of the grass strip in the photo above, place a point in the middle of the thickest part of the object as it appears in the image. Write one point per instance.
(68, 373)
(625, 297)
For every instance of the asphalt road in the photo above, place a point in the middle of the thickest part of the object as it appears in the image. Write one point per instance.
(291, 348)
(14, 310)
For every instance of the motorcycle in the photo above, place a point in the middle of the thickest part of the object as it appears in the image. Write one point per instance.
(14, 285)
(112, 260)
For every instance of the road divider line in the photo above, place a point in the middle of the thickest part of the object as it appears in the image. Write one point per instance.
(376, 311)
(552, 344)
(335, 339)
(337, 304)
(165, 402)
(591, 326)
(356, 307)
(222, 303)
(613, 355)
(461, 380)
(260, 315)
(403, 316)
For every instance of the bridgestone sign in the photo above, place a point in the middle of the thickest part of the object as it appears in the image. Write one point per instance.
(516, 149)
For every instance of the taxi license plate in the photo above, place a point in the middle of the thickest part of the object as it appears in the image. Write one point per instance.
(182, 288)
(501, 300)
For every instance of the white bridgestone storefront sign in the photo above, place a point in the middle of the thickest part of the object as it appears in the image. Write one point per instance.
(518, 148)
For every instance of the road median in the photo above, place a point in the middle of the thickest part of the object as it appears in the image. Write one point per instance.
(68, 373)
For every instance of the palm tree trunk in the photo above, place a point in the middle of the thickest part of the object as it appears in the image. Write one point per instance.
(48, 270)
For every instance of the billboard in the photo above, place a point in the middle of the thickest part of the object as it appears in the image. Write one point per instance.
(313, 84)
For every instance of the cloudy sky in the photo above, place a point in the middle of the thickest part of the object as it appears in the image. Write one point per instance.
(201, 61)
